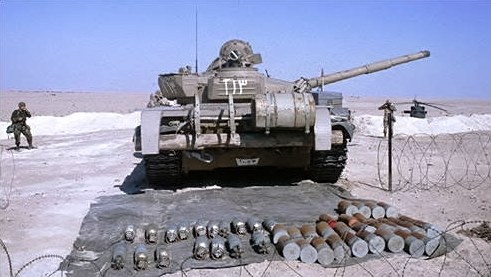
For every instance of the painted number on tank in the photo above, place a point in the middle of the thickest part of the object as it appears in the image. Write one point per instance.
(247, 162)
(233, 86)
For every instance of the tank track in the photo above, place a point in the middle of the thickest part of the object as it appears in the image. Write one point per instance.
(164, 168)
(327, 166)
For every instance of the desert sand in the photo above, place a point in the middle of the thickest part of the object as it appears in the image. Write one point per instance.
(45, 193)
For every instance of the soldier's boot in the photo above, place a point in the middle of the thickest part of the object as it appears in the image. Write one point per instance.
(29, 140)
(17, 146)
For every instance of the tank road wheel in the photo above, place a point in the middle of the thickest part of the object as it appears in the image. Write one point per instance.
(164, 168)
(327, 166)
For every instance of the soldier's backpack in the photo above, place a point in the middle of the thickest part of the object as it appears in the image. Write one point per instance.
(10, 129)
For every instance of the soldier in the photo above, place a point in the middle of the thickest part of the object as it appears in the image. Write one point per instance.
(18, 118)
(389, 109)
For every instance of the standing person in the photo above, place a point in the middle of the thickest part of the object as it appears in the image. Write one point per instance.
(18, 118)
(389, 109)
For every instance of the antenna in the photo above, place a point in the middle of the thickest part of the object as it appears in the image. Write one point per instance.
(196, 39)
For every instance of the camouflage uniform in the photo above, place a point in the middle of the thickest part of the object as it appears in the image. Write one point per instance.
(389, 110)
(18, 119)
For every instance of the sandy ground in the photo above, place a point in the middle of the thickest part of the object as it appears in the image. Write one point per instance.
(49, 191)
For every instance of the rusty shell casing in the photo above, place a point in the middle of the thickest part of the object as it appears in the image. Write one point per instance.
(162, 257)
(118, 256)
(308, 232)
(413, 246)
(394, 243)
(430, 244)
(308, 254)
(130, 233)
(363, 209)
(359, 247)
(377, 211)
(376, 244)
(348, 220)
(141, 257)
(201, 248)
(294, 232)
(288, 248)
(279, 231)
(323, 229)
(390, 211)
(345, 207)
(325, 255)
(342, 229)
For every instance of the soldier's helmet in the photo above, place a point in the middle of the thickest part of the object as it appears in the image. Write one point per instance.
(22, 104)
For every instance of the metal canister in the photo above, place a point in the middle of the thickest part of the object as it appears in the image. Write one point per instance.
(254, 224)
(269, 224)
(130, 233)
(200, 228)
(118, 257)
(346, 207)
(363, 209)
(238, 227)
(308, 232)
(171, 234)
(235, 247)
(325, 255)
(279, 230)
(224, 226)
(151, 233)
(323, 229)
(162, 257)
(141, 257)
(217, 247)
(201, 247)
(288, 248)
(390, 211)
(308, 254)
(260, 243)
(294, 232)
(376, 244)
(213, 229)
(183, 231)
(377, 211)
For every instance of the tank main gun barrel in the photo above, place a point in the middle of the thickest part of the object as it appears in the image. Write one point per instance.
(366, 69)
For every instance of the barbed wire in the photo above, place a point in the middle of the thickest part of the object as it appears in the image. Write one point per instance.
(7, 161)
(424, 161)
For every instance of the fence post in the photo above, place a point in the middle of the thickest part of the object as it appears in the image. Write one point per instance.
(391, 122)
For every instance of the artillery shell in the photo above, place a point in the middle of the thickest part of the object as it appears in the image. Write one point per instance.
(288, 248)
(345, 207)
(430, 244)
(183, 231)
(390, 211)
(279, 230)
(171, 233)
(235, 247)
(151, 233)
(308, 232)
(254, 224)
(119, 255)
(394, 243)
(340, 249)
(342, 229)
(162, 258)
(362, 209)
(294, 233)
(201, 248)
(325, 255)
(129, 233)
(359, 247)
(141, 257)
(217, 247)
(308, 254)
(213, 229)
(260, 243)
(323, 229)
(269, 224)
(200, 228)
(377, 211)
(376, 244)
(413, 246)
(224, 228)
(238, 227)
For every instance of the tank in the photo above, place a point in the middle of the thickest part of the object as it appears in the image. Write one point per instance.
(232, 116)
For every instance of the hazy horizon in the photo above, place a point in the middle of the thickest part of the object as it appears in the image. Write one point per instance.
(122, 46)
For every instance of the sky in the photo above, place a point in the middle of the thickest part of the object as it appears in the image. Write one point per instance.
(121, 46)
